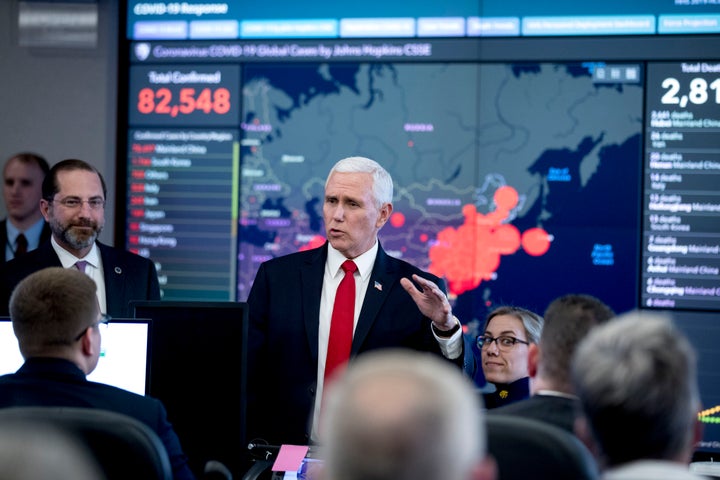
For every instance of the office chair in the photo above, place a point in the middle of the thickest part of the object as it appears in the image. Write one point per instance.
(122, 446)
(526, 448)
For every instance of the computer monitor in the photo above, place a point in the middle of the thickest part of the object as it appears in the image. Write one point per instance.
(124, 357)
(198, 372)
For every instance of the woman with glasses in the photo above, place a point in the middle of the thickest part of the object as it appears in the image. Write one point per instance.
(504, 347)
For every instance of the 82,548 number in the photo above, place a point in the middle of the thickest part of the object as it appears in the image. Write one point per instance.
(160, 101)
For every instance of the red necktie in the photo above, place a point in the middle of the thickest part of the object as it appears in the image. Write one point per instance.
(21, 245)
(341, 323)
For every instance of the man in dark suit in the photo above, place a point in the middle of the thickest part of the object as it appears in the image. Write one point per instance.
(24, 228)
(567, 321)
(73, 204)
(57, 321)
(292, 303)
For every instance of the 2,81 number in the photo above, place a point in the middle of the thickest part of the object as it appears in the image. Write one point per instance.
(698, 91)
(160, 101)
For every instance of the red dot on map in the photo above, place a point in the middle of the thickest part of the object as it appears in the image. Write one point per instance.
(314, 242)
(424, 237)
(397, 220)
(506, 198)
(535, 242)
(506, 239)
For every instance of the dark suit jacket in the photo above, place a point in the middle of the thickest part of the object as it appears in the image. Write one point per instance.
(507, 393)
(284, 313)
(56, 382)
(44, 236)
(558, 411)
(127, 276)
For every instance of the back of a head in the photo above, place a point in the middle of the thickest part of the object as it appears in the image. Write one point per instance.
(30, 451)
(567, 320)
(50, 307)
(635, 377)
(402, 415)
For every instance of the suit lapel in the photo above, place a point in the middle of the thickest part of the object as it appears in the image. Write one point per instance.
(46, 256)
(382, 280)
(114, 280)
(311, 276)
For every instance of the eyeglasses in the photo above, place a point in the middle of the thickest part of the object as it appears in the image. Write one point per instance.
(503, 342)
(73, 203)
(104, 320)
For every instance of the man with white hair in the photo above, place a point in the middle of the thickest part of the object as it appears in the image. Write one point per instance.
(404, 415)
(311, 313)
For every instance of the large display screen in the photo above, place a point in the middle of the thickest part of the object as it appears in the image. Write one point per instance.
(498, 167)
(535, 150)
(681, 237)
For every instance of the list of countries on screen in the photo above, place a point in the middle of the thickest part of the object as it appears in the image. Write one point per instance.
(681, 224)
(182, 164)
(180, 213)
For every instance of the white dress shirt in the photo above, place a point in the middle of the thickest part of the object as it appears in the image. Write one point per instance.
(94, 268)
(451, 347)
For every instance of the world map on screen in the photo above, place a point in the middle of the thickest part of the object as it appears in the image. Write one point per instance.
(515, 183)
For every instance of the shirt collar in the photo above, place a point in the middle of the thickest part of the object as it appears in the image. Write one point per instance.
(12, 232)
(30, 233)
(34, 232)
(67, 259)
(363, 262)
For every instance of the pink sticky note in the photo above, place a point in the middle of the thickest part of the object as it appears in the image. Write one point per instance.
(290, 458)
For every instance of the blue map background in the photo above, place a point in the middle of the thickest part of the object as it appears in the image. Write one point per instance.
(451, 134)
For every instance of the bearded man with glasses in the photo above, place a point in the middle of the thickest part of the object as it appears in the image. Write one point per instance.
(73, 203)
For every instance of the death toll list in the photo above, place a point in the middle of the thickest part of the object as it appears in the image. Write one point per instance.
(681, 224)
(181, 193)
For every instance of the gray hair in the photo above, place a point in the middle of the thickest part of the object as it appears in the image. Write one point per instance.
(402, 415)
(382, 181)
(636, 379)
(532, 322)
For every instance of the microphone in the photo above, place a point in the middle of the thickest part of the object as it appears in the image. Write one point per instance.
(259, 449)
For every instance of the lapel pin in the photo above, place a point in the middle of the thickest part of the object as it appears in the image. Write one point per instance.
(378, 286)
(118, 270)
